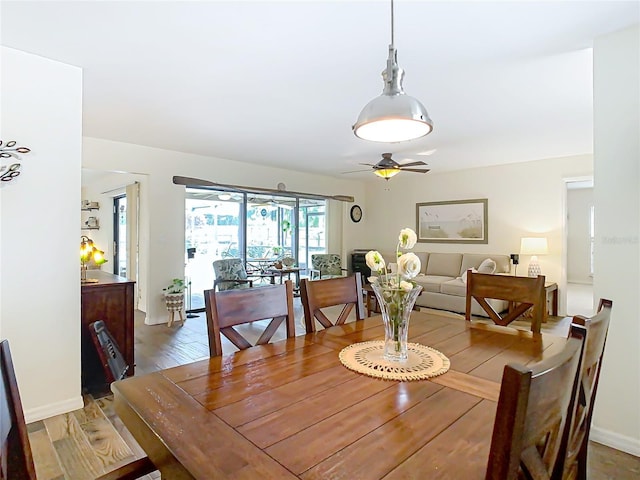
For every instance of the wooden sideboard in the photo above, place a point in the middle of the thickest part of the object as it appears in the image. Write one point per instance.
(111, 300)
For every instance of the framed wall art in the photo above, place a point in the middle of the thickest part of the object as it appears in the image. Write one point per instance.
(458, 221)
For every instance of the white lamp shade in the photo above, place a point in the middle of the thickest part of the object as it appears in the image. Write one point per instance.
(393, 118)
(534, 246)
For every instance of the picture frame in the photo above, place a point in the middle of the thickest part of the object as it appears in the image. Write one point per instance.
(456, 221)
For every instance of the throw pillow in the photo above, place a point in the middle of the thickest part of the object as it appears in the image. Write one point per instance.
(487, 266)
(464, 275)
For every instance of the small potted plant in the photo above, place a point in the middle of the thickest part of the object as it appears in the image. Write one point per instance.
(174, 298)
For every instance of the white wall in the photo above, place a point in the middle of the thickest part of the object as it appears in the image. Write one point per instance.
(162, 236)
(41, 108)
(524, 199)
(617, 216)
(579, 203)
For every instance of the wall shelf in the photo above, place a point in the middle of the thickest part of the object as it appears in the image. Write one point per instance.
(88, 206)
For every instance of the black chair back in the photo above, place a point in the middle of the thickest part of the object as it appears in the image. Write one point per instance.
(113, 362)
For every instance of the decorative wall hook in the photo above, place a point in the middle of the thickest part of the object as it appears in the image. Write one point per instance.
(9, 150)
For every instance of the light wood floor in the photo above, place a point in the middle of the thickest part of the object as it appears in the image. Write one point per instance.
(83, 444)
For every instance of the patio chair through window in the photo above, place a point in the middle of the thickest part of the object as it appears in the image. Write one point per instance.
(230, 274)
(326, 265)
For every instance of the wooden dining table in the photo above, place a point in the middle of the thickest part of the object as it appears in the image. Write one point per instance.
(291, 409)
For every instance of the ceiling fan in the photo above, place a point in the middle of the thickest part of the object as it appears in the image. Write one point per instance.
(387, 167)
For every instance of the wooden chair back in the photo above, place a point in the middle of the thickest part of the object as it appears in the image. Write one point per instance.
(522, 292)
(230, 308)
(533, 414)
(578, 438)
(113, 362)
(16, 460)
(319, 294)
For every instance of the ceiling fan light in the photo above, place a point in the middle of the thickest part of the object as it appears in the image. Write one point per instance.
(386, 173)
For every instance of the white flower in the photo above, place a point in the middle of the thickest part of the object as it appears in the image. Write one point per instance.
(407, 238)
(406, 286)
(375, 261)
(372, 279)
(409, 265)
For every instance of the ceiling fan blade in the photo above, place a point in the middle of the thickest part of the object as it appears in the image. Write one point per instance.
(412, 164)
(414, 170)
(356, 171)
(368, 164)
(198, 182)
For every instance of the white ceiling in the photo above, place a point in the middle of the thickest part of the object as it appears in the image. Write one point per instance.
(281, 83)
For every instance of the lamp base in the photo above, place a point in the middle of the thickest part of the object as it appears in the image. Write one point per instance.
(534, 268)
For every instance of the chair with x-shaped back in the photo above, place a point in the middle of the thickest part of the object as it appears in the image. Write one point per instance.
(533, 416)
(319, 294)
(16, 459)
(578, 438)
(230, 308)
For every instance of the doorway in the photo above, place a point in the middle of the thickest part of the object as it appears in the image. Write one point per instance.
(580, 215)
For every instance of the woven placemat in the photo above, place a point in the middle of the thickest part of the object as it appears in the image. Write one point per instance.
(422, 362)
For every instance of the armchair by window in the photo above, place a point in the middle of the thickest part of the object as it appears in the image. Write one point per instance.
(326, 265)
(230, 274)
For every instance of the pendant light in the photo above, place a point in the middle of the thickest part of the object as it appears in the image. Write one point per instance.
(394, 116)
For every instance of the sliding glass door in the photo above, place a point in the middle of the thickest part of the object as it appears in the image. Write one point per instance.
(270, 225)
(213, 230)
(258, 228)
(312, 237)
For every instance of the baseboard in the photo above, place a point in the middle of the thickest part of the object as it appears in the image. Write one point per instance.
(53, 409)
(615, 440)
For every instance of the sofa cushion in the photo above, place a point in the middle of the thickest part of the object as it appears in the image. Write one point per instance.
(431, 283)
(454, 287)
(473, 260)
(463, 277)
(487, 266)
(444, 264)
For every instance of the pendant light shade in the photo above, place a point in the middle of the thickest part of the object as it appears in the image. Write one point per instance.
(394, 116)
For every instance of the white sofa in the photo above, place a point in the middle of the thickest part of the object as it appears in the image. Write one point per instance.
(442, 282)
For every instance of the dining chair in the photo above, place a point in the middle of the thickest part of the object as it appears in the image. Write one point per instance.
(319, 294)
(231, 308)
(523, 293)
(16, 459)
(533, 414)
(114, 365)
(326, 265)
(597, 326)
(230, 274)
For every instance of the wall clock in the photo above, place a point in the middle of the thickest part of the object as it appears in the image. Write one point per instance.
(356, 213)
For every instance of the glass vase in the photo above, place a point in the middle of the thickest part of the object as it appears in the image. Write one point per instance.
(396, 305)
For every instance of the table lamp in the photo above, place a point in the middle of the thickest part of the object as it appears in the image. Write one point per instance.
(89, 252)
(533, 246)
